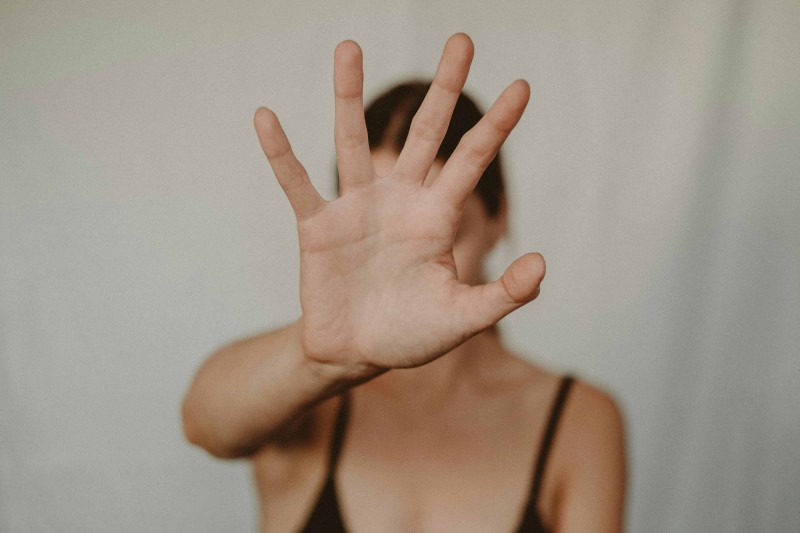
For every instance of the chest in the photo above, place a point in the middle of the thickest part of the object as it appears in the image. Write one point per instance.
(474, 485)
(427, 475)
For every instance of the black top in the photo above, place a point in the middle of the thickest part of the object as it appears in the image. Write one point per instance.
(325, 518)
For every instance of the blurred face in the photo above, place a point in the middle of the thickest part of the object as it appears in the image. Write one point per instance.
(477, 232)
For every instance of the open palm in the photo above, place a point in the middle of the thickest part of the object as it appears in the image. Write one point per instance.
(378, 280)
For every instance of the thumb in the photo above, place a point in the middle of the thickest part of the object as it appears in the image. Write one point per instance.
(519, 284)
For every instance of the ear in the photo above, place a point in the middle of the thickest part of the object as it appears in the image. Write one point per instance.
(499, 223)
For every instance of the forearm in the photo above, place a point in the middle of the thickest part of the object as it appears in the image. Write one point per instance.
(251, 392)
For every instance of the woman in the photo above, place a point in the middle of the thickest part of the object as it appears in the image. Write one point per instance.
(391, 404)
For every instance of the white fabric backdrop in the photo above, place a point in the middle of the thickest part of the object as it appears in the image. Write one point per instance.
(656, 170)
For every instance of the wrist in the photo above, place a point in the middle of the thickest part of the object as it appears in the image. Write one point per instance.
(330, 374)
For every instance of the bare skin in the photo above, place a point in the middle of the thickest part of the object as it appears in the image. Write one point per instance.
(391, 281)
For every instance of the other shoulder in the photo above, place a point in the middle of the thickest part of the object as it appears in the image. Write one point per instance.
(594, 412)
(593, 461)
(592, 428)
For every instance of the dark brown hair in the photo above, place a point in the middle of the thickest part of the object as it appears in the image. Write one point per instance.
(389, 117)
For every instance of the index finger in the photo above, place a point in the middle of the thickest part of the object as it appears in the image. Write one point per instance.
(479, 146)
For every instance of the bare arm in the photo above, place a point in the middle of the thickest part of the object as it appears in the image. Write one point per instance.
(378, 283)
(257, 389)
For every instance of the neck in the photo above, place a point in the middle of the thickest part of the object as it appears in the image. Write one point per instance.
(459, 370)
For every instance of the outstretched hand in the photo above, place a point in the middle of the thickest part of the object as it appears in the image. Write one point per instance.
(378, 284)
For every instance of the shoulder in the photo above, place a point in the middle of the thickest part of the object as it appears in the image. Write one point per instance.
(289, 471)
(591, 423)
(592, 430)
(594, 412)
(300, 441)
(592, 462)
(588, 411)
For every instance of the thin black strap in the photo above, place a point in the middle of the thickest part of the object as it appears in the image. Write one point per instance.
(338, 434)
(549, 435)
(325, 516)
